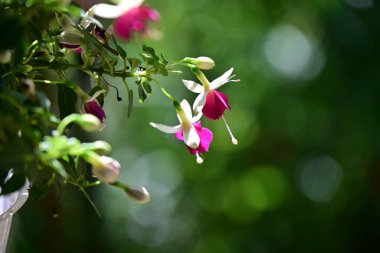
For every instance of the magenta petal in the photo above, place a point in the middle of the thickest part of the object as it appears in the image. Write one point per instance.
(93, 107)
(134, 20)
(205, 136)
(216, 104)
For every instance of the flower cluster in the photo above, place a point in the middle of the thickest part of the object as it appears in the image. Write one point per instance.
(209, 102)
(34, 139)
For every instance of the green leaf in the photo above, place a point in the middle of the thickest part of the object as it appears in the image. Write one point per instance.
(142, 93)
(134, 63)
(119, 49)
(67, 100)
(58, 167)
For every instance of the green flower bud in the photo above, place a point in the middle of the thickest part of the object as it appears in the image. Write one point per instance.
(89, 122)
(202, 62)
(101, 147)
(71, 40)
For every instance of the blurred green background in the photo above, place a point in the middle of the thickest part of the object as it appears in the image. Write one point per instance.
(305, 175)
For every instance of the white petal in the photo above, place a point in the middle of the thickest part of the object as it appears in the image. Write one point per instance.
(191, 137)
(106, 10)
(166, 129)
(193, 86)
(221, 80)
(197, 118)
(199, 103)
(186, 108)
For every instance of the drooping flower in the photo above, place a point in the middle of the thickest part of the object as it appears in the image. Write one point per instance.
(190, 131)
(210, 102)
(205, 136)
(92, 106)
(130, 16)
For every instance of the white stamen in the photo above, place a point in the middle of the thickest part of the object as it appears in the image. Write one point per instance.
(199, 158)
(233, 139)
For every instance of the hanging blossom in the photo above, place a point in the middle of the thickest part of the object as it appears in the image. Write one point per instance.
(130, 16)
(92, 106)
(190, 131)
(210, 102)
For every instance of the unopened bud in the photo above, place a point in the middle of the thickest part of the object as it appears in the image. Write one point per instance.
(202, 62)
(27, 85)
(105, 168)
(101, 147)
(89, 122)
(100, 34)
(64, 20)
(71, 40)
(138, 194)
(5, 56)
(93, 107)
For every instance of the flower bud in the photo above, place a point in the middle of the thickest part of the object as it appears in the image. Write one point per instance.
(64, 20)
(27, 85)
(202, 62)
(105, 168)
(93, 107)
(71, 40)
(5, 56)
(89, 122)
(101, 147)
(100, 34)
(138, 194)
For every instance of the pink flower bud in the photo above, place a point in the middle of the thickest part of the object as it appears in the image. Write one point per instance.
(93, 107)
(106, 169)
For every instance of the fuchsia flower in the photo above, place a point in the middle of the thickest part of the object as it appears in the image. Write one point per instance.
(93, 107)
(130, 16)
(205, 136)
(210, 102)
(190, 131)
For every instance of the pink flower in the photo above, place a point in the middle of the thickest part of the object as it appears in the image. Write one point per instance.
(205, 136)
(130, 16)
(215, 105)
(210, 102)
(190, 131)
(93, 107)
(134, 20)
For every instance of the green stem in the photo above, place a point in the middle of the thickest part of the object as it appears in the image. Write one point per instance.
(166, 93)
(90, 200)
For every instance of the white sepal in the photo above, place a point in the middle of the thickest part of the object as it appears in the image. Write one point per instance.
(221, 80)
(193, 86)
(166, 129)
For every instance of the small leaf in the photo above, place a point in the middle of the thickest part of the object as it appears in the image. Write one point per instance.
(142, 94)
(134, 63)
(58, 167)
(67, 100)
